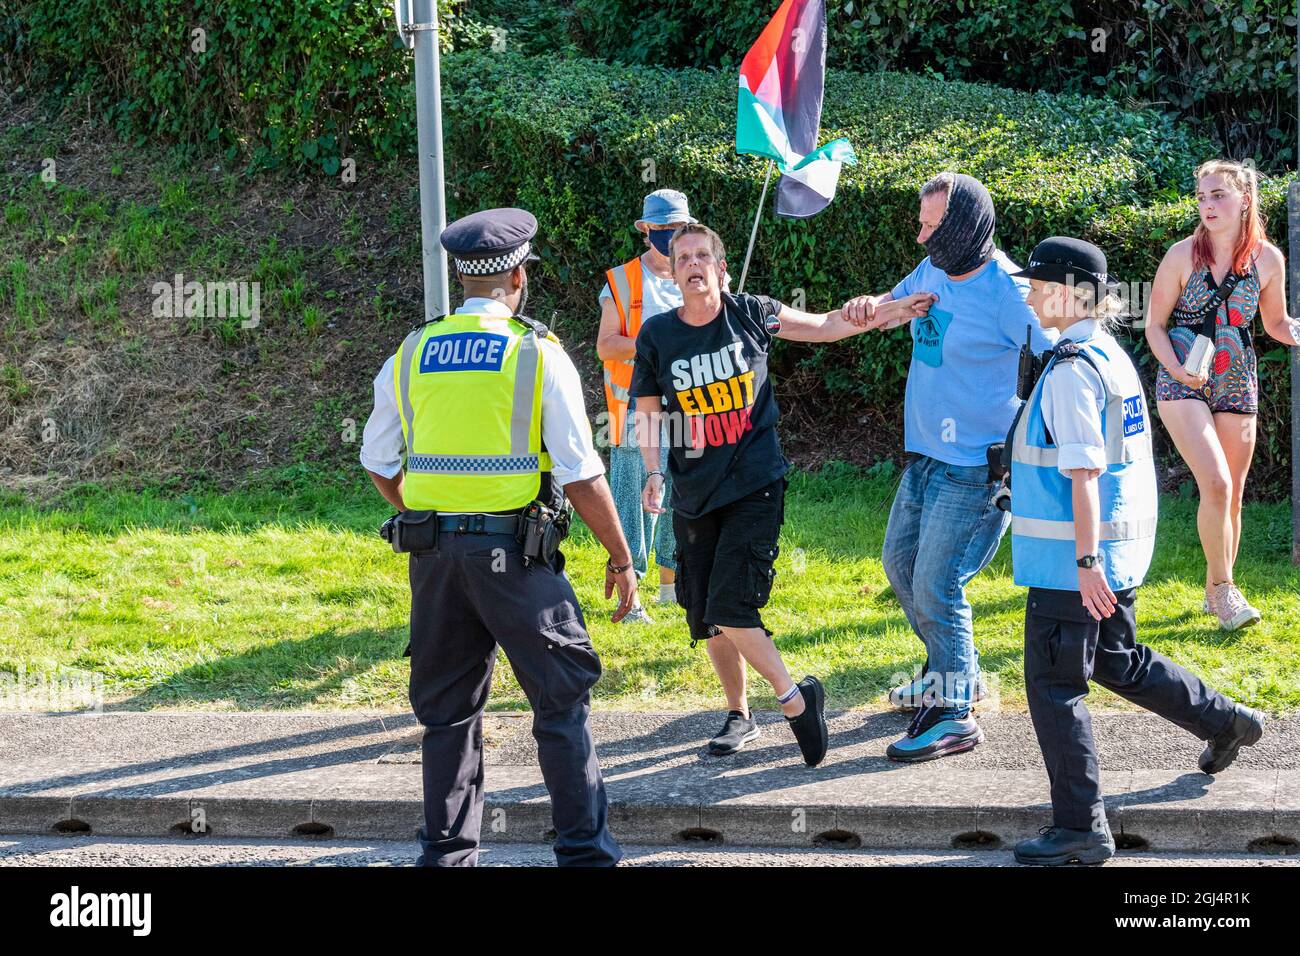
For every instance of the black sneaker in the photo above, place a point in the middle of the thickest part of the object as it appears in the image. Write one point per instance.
(810, 727)
(737, 730)
(1244, 729)
(1057, 846)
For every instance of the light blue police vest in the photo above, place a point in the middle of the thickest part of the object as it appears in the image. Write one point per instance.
(1042, 510)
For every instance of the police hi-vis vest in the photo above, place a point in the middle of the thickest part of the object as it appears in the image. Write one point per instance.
(1042, 511)
(469, 390)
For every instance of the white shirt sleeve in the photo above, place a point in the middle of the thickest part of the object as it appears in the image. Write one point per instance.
(381, 441)
(1073, 398)
(565, 428)
(604, 293)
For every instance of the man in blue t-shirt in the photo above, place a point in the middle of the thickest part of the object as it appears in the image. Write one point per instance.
(945, 526)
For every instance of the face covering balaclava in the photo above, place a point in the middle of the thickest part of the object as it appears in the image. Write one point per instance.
(964, 240)
(659, 238)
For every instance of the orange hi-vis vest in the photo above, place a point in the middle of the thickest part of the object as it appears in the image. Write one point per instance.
(625, 287)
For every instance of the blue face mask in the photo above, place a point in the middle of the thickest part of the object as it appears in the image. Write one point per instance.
(659, 238)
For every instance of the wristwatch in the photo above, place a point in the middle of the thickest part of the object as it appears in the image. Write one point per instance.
(1089, 560)
(609, 566)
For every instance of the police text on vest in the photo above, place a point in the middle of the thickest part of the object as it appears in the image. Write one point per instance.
(464, 352)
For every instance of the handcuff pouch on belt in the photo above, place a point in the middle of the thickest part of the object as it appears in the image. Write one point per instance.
(411, 531)
(542, 528)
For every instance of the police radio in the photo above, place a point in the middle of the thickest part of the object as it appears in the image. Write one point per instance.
(1031, 366)
(999, 457)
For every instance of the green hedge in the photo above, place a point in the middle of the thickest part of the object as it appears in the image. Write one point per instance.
(276, 81)
(1231, 66)
(571, 139)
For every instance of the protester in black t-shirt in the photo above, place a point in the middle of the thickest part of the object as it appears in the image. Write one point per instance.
(704, 366)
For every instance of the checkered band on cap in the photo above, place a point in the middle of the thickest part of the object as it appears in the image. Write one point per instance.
(1101, 277)
(494, 264)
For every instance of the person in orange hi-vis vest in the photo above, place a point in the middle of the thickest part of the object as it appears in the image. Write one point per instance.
(635, 292)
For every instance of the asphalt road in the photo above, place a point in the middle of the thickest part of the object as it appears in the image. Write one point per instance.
(125, 851)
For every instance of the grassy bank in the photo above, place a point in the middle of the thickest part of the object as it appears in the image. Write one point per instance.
(282, 596)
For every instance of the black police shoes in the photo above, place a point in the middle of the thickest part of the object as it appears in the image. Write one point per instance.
(1245, 728)
(1056, 846)
(810, 726)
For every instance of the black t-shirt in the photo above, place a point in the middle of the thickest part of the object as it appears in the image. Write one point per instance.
(721, 412)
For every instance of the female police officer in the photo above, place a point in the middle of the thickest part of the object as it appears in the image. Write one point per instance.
(1083, 503)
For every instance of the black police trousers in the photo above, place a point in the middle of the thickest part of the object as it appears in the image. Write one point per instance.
(467, 597)
(1064, 649)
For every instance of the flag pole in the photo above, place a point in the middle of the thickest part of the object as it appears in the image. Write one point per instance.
(753, 233)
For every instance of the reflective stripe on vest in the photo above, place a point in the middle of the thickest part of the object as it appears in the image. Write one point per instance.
(1042, 522)
(625, 288)
(1064, 530)
(469, 399)
(473, 464)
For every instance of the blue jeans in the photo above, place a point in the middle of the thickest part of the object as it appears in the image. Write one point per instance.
(627, 474)
(944, 528)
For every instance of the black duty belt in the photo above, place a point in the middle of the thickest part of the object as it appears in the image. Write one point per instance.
(479, 524)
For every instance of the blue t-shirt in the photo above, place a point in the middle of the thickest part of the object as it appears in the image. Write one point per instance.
(961, 386)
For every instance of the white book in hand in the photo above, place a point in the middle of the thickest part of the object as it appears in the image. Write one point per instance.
(1199, 357)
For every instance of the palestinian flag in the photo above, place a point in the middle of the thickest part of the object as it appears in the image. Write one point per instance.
(779, 111)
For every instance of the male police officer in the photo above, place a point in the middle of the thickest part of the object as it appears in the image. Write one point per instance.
(489, 410)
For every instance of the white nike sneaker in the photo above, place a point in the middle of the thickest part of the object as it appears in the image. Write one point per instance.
(637, 615)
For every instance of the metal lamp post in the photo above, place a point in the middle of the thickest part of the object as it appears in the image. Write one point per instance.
(417, 25)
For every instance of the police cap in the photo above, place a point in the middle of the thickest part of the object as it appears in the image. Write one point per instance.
(1071, 261)
(491, 241)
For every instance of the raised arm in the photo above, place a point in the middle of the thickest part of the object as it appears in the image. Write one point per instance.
(832, 326)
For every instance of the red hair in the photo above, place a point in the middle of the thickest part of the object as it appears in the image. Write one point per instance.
(1252, 236)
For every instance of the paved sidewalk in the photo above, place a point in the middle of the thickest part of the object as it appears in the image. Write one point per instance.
(29, 851)
(356, 776)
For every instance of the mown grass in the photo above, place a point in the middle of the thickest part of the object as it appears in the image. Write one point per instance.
(281, 596)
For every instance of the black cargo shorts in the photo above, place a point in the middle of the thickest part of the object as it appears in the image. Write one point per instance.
(725, 561)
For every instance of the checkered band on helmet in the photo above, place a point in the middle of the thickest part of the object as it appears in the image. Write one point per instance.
(494, 264)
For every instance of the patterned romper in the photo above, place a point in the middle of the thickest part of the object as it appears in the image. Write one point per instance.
(1233, 385)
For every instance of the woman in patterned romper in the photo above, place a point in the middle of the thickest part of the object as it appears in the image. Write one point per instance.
(1212, 419)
